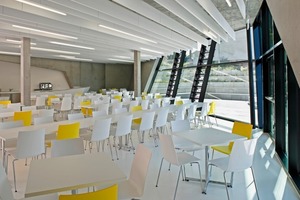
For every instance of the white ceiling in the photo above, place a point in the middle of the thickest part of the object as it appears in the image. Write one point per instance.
(113, 29)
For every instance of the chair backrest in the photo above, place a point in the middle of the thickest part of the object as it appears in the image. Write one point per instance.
(145, 104)
(5, 188)
(110, 193)
(158, 102)
(5, 103)
(75, 116)
(99, 113)
(14, 106)
(103, 107)
(116, 105)
(179, 102)
(42, 120)
(120, 110)
(30, 143)
(77, 103)
(212, 108)
(40, 101)
(25, 108)
(124, 125)
(67, 147)
(242, 129)
(68, 131)
(242, 155)
(180, 114)
(168, 149)
(139, 167)
(180, 125)
(26, 116)
(147, 121)
(46, 112)
(101, 129)
(204, 109)
(49, 100)
(162, 118)
(11, 124)
(66, 104)
(192, 111)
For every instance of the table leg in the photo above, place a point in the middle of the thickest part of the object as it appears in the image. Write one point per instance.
(3, 152)
(206, 171)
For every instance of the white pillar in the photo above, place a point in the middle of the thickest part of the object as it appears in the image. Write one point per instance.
(25, 87)
(137, 73)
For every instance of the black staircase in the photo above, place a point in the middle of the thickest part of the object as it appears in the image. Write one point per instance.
(175, 74)
(202, 72)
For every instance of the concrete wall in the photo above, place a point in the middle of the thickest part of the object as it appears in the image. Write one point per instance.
(285, 14)
(95, 75)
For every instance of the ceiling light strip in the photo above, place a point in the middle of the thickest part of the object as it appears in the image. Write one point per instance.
(74, 58)
(18, 41)
(129, 34)
(42, 7)
(54, 50)
(72, 45)
(46, 32)
(150, 50)
(120, 60)
(228, 3)
(9, 53)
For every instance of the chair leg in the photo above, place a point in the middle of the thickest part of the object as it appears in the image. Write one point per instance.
(177, 182)
(159, 171)
(111, 153)
(224, 173)
(254, 182)
(14, 172)
(131, 143)
(90, 146)
(212, 156)
(116, 148)
(199, 171)
(231, 180)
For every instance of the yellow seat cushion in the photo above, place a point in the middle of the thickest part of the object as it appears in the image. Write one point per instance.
(110, 193)
(223, 149)
(134, 109)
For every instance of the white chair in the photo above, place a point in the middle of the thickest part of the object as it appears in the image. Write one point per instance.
(120, 110)
(6, 193)
(43, 120)
(14, 106)
(11, 124)
(99, 113)
(181, 111)
(240, 159)
(66, 106)
(192, 113)
(100, 133)
(25, 108)
(116, 105)
(77, 103)
(132, 104)
(145, 104)
(67, 147)
(75, 116)
(175, 158)
(158, 102)
(134, 186)
(123, 128)
(146, 125)
(181, 143)
(46, 112)
(203, 114)
(160, 124)
(103, 107)
(29, 144)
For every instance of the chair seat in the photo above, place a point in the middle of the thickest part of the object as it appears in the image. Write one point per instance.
(43, 197)
(128, 190)
(223, 149)
(222, 163)
(184, 158)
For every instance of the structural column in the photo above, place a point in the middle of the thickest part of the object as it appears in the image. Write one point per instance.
(25, 87)
(137, 73)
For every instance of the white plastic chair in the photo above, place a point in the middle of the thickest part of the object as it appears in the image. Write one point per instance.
(132, 104)
(203, 114)
(146, 125)
(123, 128)
(103, 107)
(181, 143)
(66, 106)
(175, 158)
(192, 113)
(29, 144)
(240, 159)
(116, 105)
(181, 111)
(75, 116)
(67, 147)
(46, 112)
(160, 124)
(134, 186)
(25, 108)
(99, 113)
(43, 120)
(11, 124)
(100, 133)
(145, 104)
(120, 110)
(6, 193)
(14, 106)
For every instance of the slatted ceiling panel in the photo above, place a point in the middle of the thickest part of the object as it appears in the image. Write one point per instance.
(146, 19)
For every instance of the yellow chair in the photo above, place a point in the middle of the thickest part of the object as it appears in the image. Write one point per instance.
(119, 97)
(5, 103)
(26, 116)
(85, 111)
(178, 102)
(68, 131)
(110, 193)
(158, 96)
(134, 109)
(239, 128)
(212, 110)
(49, 102)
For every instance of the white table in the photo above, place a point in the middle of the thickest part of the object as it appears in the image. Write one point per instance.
(206, 137)
(66, 173)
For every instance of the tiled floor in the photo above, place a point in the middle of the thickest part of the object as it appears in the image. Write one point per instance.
(272, 181)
